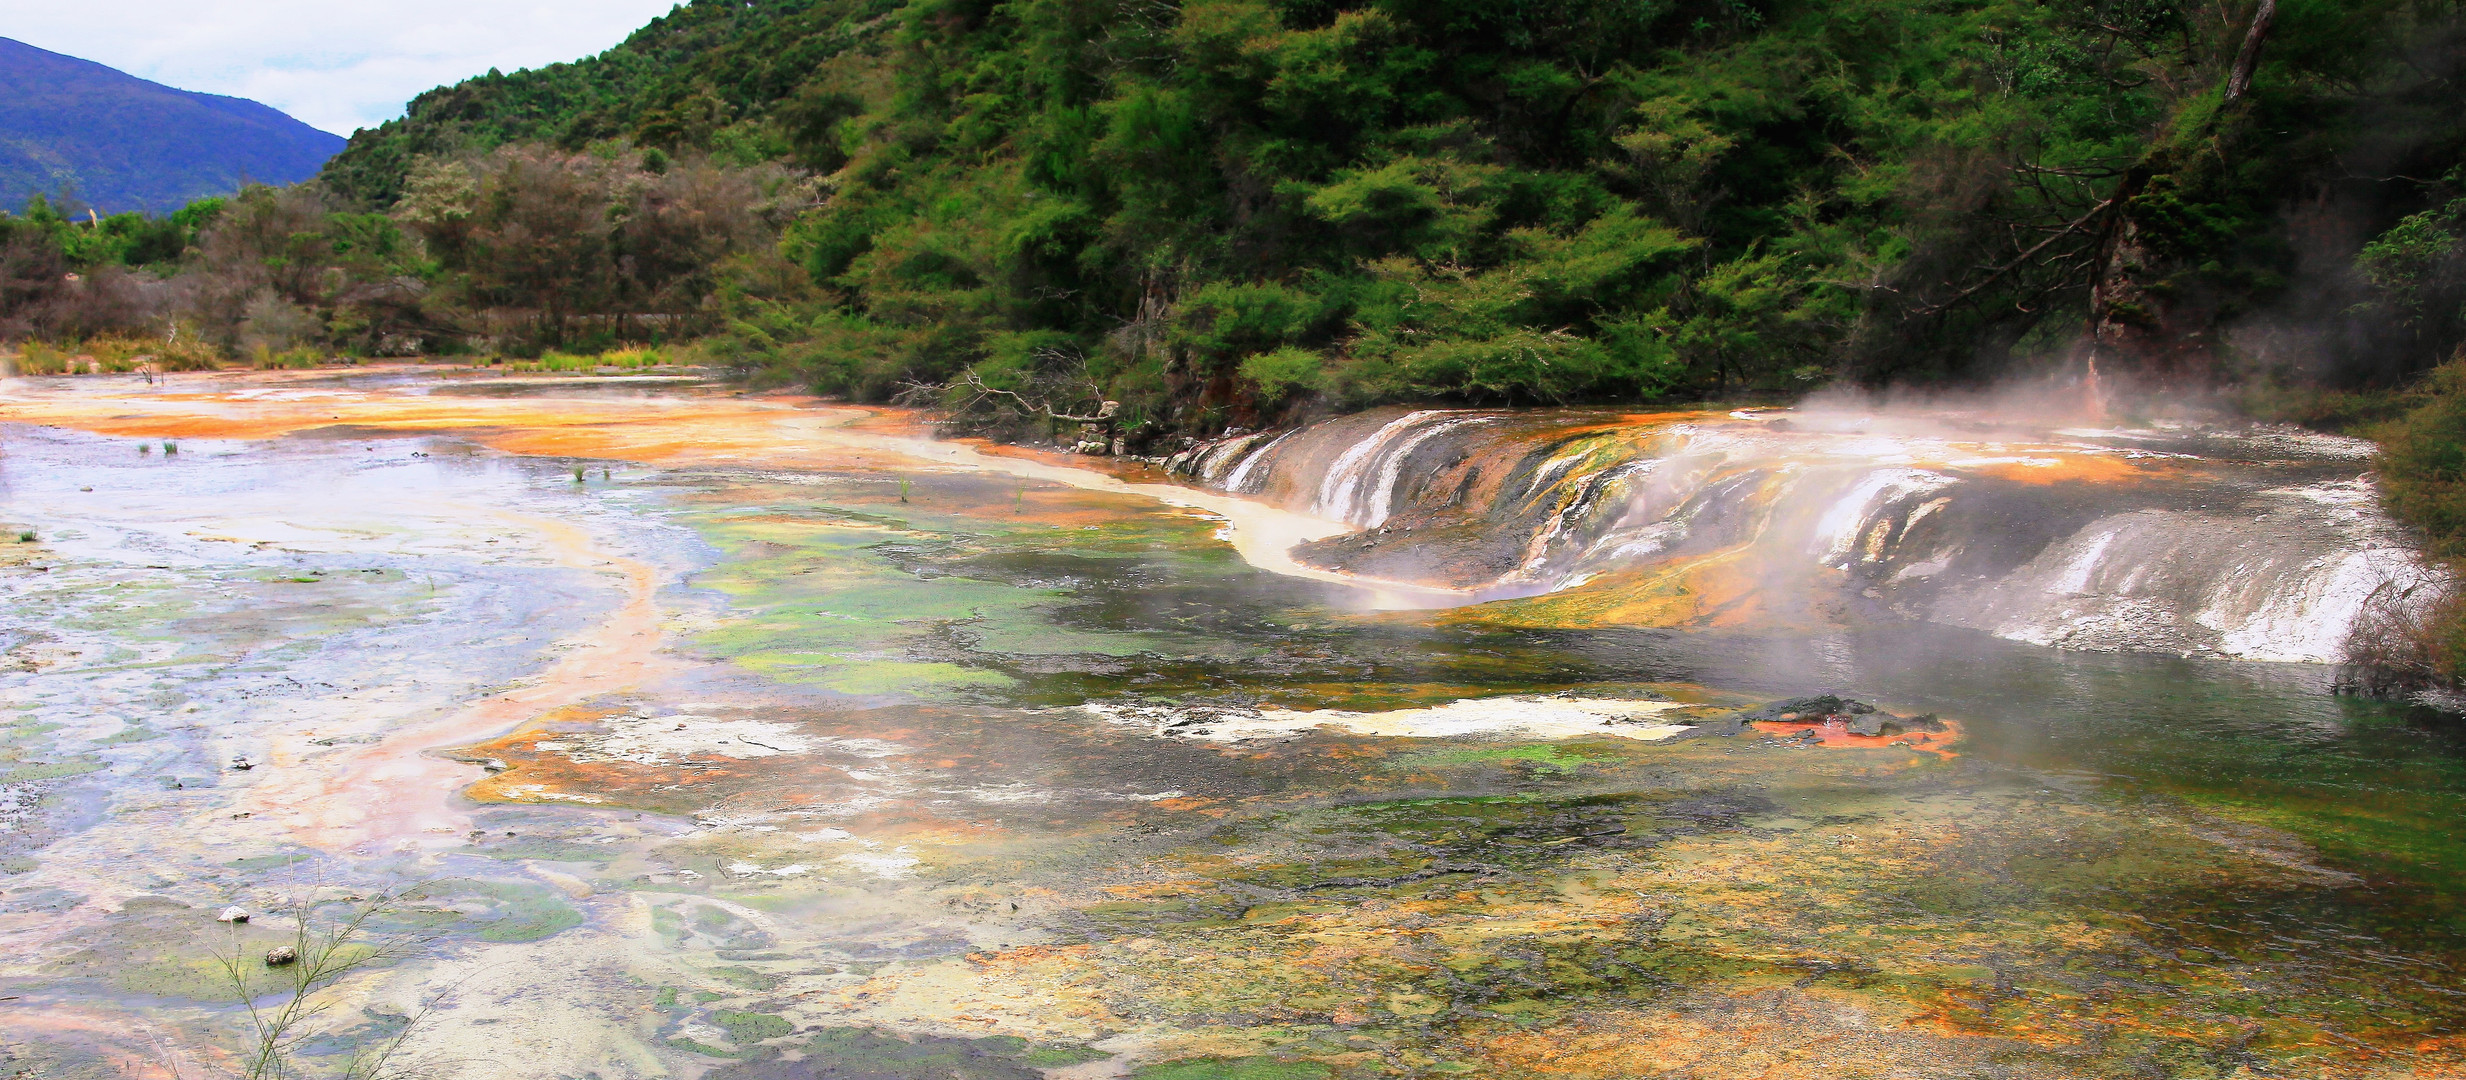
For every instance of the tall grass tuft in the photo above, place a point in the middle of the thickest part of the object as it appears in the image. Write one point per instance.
(2405, 645)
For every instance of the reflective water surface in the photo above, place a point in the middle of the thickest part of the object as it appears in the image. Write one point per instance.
(656, 729)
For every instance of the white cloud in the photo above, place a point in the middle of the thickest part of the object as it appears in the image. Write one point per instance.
(338, 64)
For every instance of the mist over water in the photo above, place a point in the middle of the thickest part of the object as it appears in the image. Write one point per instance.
(2003, 515)
(759, 737)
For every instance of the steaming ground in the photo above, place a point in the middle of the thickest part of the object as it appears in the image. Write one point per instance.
(2010, 515)
(783, 743)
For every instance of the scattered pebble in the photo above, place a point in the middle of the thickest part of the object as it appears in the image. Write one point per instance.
(281, 955)
(233, 914)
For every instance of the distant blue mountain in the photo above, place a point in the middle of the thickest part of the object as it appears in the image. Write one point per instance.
(119, 142)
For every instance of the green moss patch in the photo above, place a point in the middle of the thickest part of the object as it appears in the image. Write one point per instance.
(1250, 1068)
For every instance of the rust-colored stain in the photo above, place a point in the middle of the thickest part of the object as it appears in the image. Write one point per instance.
(686, 425)
(2060, 467)
(1836, 735)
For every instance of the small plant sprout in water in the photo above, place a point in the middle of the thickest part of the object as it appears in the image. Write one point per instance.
(903, 489)
(145, 448)
(577, 474)
(284, 991)
(25, 538)
(170, 447)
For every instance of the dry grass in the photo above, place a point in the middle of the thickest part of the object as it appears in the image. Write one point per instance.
(115, 354)
(2405, 643)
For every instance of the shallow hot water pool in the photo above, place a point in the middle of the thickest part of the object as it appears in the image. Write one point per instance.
(649, 729)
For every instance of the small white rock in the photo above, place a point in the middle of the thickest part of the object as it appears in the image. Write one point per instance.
(233, 914)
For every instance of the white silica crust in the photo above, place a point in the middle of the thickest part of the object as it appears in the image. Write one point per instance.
(1517, 717)
(664, 740)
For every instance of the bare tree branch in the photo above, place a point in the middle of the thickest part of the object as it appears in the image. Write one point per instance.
(981, 392)
(2070, 228)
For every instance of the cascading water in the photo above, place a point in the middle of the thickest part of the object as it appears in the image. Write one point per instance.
(2255, 543)
(1361, 486)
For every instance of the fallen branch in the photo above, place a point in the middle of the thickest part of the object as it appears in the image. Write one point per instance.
(1104, 412)
(2070, 228)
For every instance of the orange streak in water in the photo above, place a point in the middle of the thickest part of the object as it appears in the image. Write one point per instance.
(396, 791)
(1836, 735)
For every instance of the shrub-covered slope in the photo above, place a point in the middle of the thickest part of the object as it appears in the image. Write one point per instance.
(1218, 209)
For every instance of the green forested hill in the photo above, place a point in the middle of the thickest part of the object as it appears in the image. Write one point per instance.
(708, 72)
(1232, 205)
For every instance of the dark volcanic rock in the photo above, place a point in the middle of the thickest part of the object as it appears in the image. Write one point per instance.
(1882, 723)
(1810, 710)
(1860, 717)
(1733, 724)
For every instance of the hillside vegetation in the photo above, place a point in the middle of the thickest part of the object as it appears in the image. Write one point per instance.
(1222, 212)
(1215, 211)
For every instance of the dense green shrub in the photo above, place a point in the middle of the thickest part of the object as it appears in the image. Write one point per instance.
(2423, 462)
(2405, 644)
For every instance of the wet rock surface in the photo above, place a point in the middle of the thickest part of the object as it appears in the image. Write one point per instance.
(900, 769)
(2213, 538)
(1855, 717)
(1823, 708)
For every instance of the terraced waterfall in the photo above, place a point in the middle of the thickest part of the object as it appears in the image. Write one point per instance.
(642, 727)
(2253, 544)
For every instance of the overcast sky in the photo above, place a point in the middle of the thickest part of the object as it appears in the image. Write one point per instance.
(337, 64)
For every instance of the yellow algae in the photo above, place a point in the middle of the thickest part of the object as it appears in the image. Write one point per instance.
(1718, 590)
(2075, 467)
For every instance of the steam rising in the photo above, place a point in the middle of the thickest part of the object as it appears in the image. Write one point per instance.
(2046, 514)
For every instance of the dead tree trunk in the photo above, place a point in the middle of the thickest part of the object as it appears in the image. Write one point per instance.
(2131, 319)
(2239, 80)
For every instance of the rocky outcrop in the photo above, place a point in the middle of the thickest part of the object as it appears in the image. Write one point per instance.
(1858, 717)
